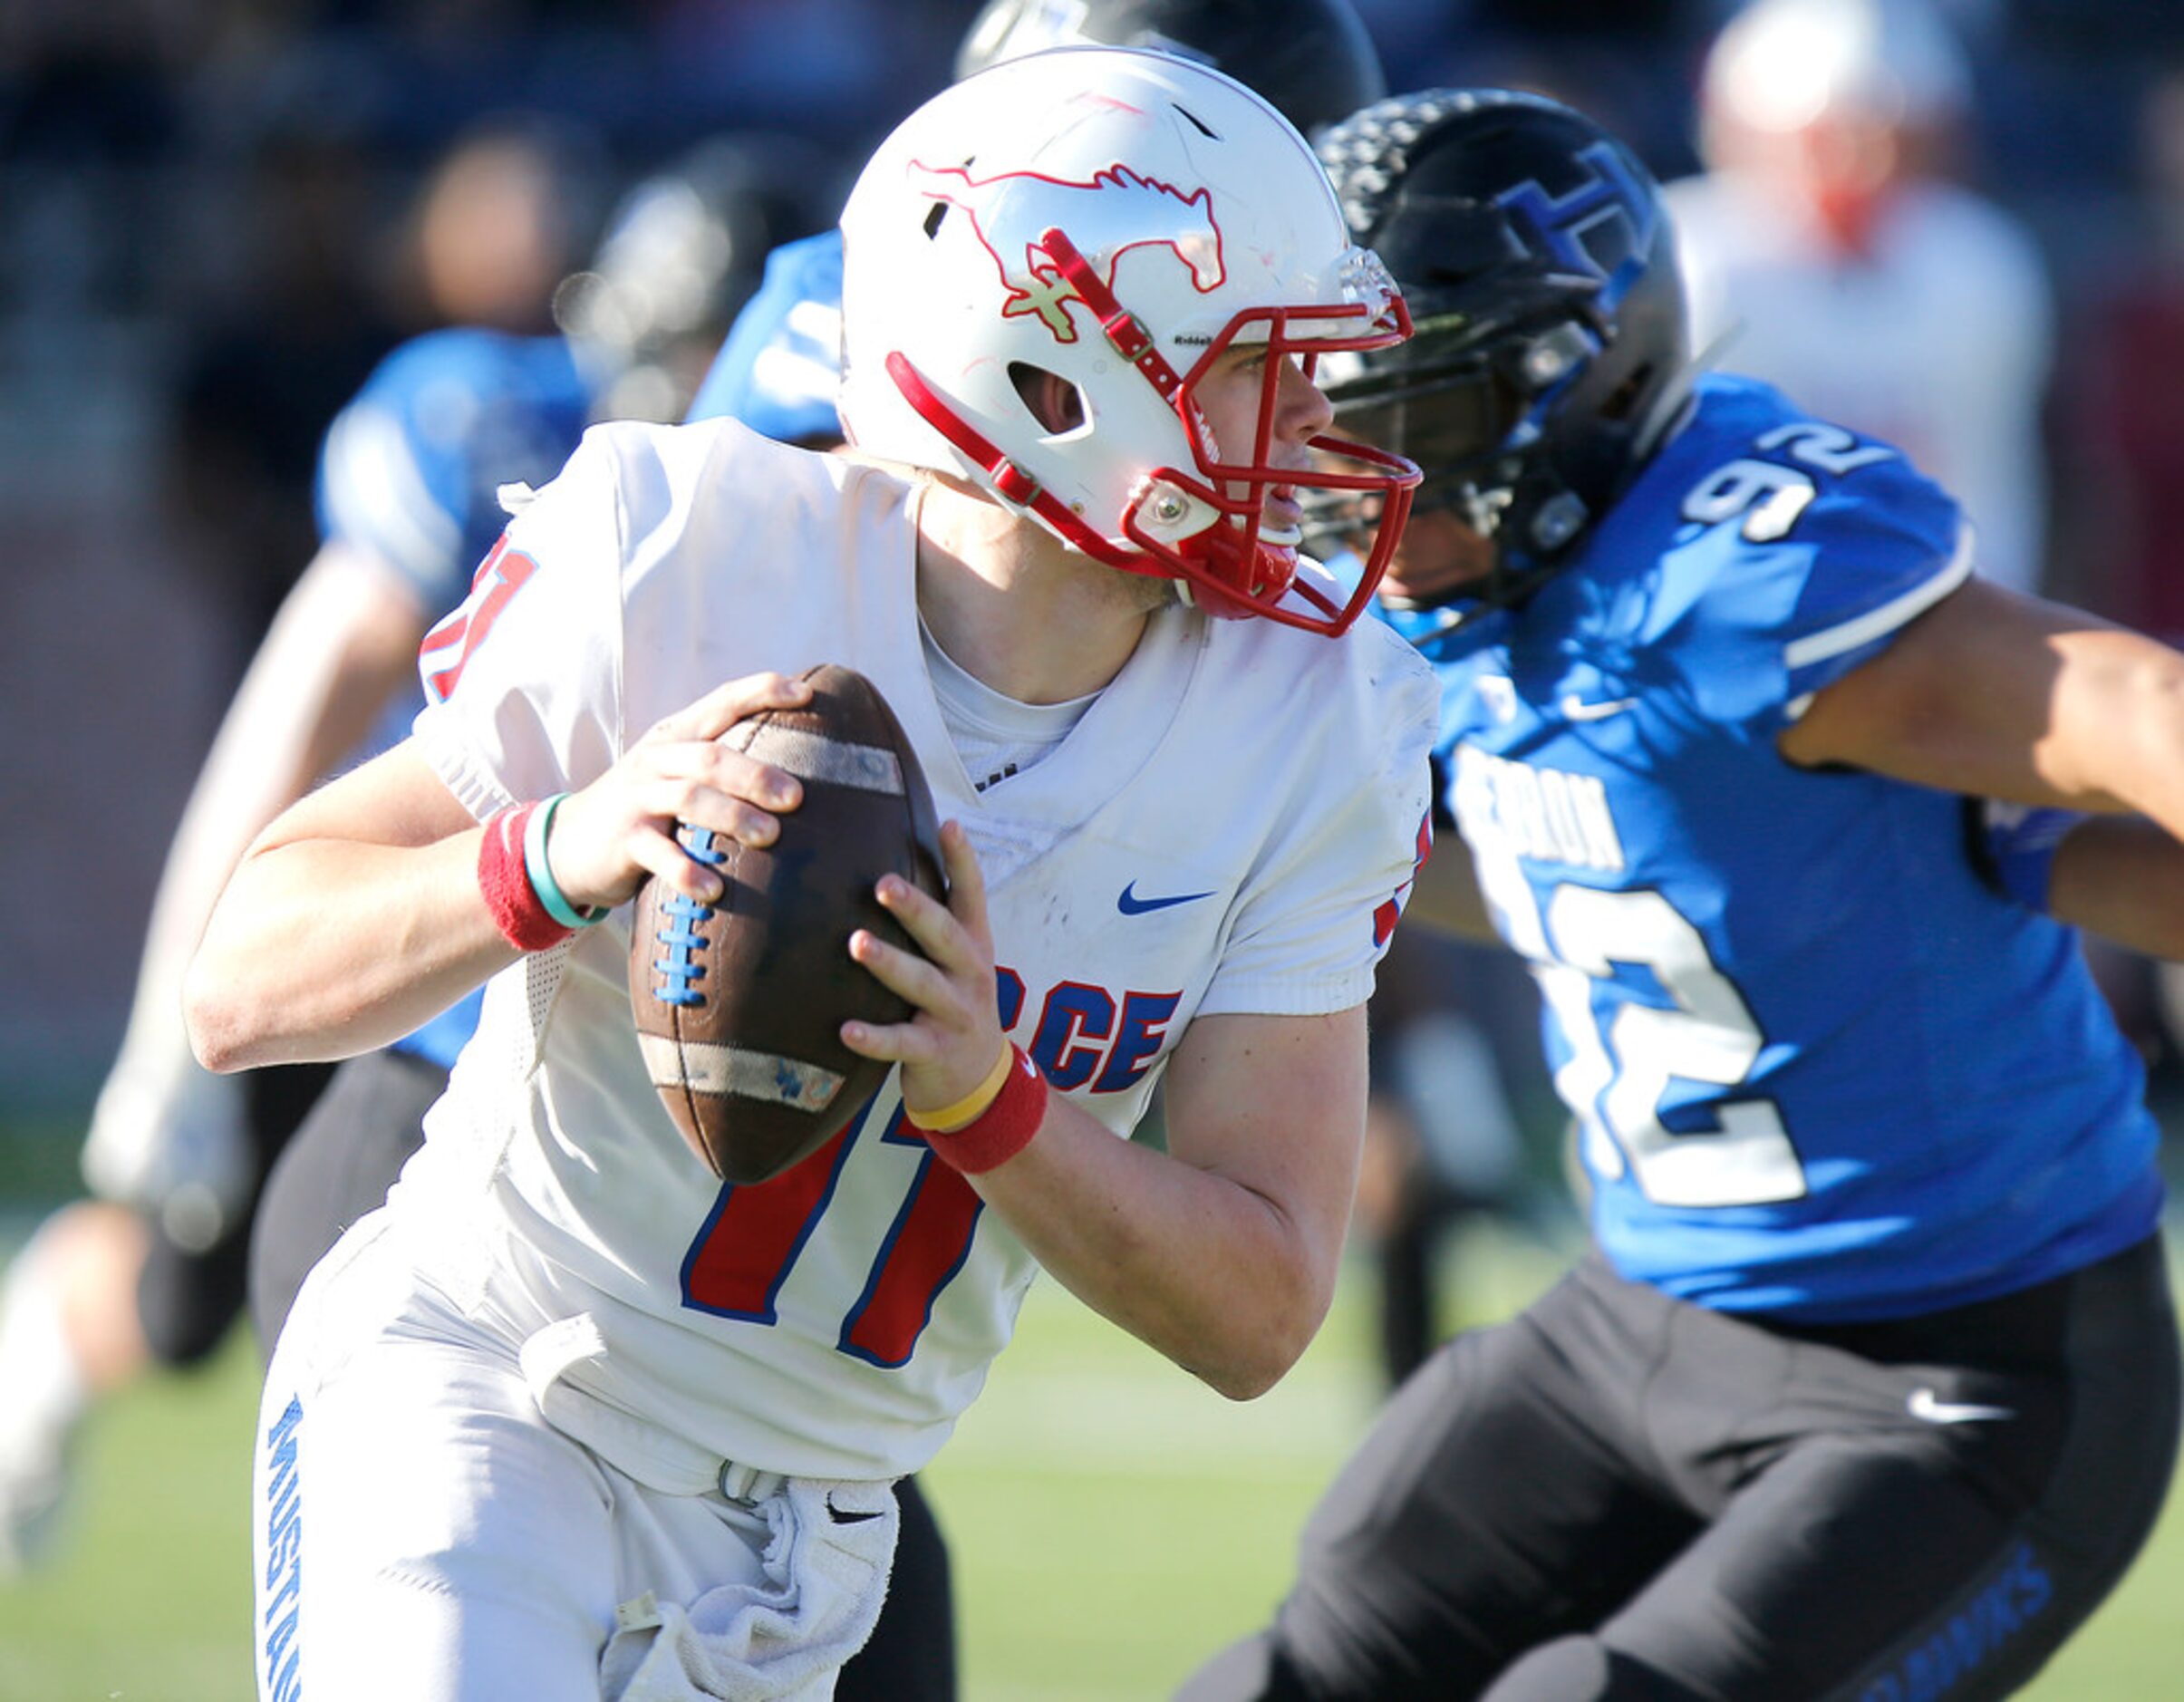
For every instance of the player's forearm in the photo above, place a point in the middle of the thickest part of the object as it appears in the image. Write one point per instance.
(321, 948)
(1995, 695)
(2123, 878)
(2116, 733)
(1210, 1272)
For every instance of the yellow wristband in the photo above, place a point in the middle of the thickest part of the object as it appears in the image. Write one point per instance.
(972, 1106)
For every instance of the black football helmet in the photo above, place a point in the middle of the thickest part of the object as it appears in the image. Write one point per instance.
(1313, 59)
(1551, 351)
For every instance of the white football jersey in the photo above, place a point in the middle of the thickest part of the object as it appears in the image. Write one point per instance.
(1229, 828)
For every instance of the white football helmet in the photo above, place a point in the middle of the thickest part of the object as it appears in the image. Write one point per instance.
(1118, 218)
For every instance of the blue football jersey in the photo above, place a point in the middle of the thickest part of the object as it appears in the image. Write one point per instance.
(412, 468)
(1821, 1070)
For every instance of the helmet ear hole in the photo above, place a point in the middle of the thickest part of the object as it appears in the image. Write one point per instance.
(1054, 402)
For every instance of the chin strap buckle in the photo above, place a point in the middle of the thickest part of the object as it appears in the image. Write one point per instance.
(1013, 483)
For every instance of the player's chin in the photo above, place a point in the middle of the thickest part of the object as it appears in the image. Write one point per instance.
(1281, 522)
(1437, 559)
(1149, 594)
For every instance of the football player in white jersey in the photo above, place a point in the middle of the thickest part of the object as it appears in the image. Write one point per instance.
(569, 1419)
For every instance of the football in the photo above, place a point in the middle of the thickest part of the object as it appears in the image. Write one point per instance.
(740, 1003)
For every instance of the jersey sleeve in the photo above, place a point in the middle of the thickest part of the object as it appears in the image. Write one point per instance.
(1315, 920)
(1855, 605)
(523, 680)
(1841, 544)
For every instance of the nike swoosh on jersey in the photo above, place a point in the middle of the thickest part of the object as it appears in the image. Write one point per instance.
(1929, 1407)
(1131, 904)
(1576, 708)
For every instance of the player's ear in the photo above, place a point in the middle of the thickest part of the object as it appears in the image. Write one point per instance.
(1055, 403)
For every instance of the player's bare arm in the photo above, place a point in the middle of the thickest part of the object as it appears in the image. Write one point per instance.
(2123, 878)
(1998, 695)
(1221, 1253)
(357, 914)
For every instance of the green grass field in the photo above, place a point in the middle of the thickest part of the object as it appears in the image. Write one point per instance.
(1112, 1522)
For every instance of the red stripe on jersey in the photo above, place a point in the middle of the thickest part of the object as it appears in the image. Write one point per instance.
(1389, 914)
(740, 1259)
(927, 1246)
(502, 574)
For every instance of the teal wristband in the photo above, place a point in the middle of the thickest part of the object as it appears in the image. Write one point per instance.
(541, 873)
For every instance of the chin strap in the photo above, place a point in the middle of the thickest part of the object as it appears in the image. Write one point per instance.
(1125, 331)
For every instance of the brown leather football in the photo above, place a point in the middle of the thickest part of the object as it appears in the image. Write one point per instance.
(740, 1003)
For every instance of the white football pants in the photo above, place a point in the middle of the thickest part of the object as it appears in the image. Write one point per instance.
(421, 1531)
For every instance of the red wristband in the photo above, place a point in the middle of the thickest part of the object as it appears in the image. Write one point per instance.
(1004, 1128)
(522, 920)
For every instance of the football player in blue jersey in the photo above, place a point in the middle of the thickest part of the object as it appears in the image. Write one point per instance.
(1869, 1386)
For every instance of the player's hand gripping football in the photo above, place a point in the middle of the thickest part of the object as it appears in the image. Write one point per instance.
(949, 1045)
(607, 837)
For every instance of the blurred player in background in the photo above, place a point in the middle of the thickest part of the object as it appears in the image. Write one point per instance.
(1870, 1388)
(499, 222)
(554, 1440)
(1828, 251)
(1444, 1149)
(151, 1271)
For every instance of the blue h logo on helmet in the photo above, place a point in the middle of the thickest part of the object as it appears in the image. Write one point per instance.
(1559, 224)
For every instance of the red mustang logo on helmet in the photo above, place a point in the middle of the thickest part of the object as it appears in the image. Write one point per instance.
(1116, 211)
